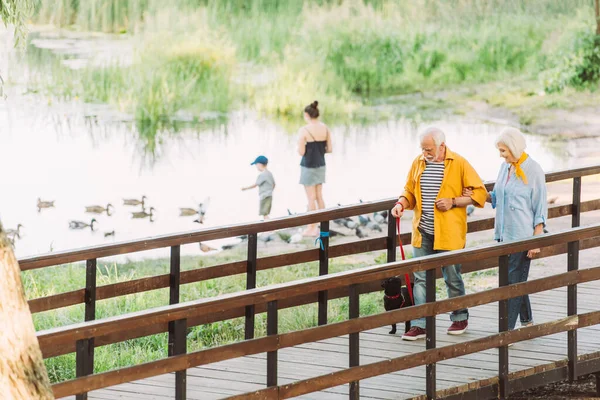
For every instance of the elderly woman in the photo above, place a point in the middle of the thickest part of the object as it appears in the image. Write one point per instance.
(519, 197)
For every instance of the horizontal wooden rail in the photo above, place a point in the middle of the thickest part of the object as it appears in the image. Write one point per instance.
(341, 292)
(207, 234)
(239, 267)
(219, 304)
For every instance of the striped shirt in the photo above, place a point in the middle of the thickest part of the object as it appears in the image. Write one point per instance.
(431, 181)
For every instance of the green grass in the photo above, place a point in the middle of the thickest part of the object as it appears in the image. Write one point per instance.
(342, 53)
(59, 279)
(54, 280)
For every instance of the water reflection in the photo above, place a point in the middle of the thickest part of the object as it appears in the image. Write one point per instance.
(81, 154)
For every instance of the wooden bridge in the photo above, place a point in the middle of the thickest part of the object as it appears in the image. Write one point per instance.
(355, 358)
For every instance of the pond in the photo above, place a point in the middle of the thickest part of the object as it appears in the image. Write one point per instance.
(81, 155)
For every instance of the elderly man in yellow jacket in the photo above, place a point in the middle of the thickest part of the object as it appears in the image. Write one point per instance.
(434, 190)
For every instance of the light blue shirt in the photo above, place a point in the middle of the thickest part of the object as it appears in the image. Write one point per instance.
(519, 206)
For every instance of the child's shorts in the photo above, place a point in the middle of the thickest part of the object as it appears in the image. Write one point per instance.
(265, 206)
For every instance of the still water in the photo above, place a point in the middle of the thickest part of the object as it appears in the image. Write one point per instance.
(81, 155)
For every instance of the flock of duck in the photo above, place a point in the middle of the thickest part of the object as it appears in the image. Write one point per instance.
(14, 234)
(361, 226)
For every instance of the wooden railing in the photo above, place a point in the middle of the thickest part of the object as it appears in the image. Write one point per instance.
(82, 338)
(76, 336)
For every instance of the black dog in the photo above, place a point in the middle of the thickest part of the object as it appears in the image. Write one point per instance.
(396, 296)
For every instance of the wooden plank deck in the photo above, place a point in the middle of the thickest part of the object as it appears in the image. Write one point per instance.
(246, 374)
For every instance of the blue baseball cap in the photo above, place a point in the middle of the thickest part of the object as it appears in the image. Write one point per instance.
(260, 160)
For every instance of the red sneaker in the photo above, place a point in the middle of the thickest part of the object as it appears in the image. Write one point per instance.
(415, 333)
(458, 327)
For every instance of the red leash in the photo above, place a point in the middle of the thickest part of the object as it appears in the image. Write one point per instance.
(406, 276)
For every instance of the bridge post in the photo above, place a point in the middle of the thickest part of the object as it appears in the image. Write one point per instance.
(323, 270)
(272, 355)
(84, 349)
(430, 341)
(354, 312)
(573, 265)
(391, 239)
(503, 327)
(177, 329)
(251, 283)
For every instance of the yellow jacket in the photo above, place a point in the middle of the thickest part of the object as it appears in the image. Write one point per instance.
(450, 227)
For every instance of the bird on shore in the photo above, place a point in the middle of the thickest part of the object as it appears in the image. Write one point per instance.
(333, 233)
(296, 238)
(363, 220)
(203, 207)
(143, 213)
(135, 202)
(82, 225)
(380, 217)
(14, 232)
(44, 204)
(206, 248)
(470, 210)
(374, 226)
(111, 233)
(361, 233)
(266, 238)
(99, 209)
(284, 236)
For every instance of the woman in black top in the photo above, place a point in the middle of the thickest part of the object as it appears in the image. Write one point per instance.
(314, 140)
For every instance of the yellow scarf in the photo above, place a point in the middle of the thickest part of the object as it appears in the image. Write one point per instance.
(518, 170)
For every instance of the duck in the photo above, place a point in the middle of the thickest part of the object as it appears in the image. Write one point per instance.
(111, 233)
(44, 204)
(82, 225)
(187, 212)
(15, 232)
(99, 209)
(143, 213)
(206, 248)
(135, 202)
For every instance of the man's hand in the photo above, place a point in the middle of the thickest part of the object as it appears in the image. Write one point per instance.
(467, 192)
(397, 211)
(444, 204)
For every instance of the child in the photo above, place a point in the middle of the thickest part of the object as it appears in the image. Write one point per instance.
(266, 184)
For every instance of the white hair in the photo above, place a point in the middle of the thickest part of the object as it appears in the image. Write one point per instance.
(514, 140)
(435, 133)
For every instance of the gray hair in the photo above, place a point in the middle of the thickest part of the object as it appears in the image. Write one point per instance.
(436, 133)
(513, 139)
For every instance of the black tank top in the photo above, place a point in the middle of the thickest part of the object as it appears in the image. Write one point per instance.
(314, 157)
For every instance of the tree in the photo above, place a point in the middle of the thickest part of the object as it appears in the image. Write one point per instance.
(16, 12)
(22, 371)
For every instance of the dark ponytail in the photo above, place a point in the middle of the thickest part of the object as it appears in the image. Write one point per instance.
(312, 109)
